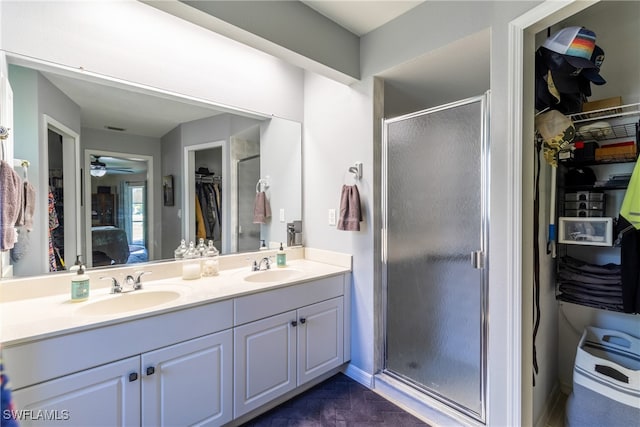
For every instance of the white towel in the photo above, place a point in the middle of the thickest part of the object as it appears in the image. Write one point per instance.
(261, 208)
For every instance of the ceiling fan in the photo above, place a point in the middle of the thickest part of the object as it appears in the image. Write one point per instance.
(99, 168)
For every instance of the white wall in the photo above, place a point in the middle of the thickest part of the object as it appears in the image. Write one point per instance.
(135, 42)
(337, 132)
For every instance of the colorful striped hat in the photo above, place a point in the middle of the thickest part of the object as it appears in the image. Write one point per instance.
(576, 44)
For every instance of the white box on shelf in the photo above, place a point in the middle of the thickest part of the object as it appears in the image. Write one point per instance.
(593, 231)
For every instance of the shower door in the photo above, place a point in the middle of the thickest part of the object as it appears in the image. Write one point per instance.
(434, 251)
(248, 175)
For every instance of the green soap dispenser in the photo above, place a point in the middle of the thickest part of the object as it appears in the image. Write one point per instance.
(281, 257)
(80, 286)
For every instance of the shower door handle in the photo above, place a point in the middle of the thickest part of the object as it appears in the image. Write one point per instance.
(477, 259)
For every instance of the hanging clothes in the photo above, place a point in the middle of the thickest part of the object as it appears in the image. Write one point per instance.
(209, 212)
(53, 224)
(201, 232)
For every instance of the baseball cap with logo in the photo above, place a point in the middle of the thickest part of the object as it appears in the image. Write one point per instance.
(576, 44)
(593, 74)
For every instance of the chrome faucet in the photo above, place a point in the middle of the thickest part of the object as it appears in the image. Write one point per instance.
(257, 266)
(134, 282)
(116, 288)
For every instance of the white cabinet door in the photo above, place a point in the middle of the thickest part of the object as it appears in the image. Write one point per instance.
(265, 361)
(320, 338)
(189, 384)
(108, 395)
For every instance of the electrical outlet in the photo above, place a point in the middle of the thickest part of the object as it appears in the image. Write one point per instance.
(332, 217)
(281, 215)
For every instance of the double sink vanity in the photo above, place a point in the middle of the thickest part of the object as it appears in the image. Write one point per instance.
(211, 351)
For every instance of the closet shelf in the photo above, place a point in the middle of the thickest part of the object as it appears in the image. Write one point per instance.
(624, 123)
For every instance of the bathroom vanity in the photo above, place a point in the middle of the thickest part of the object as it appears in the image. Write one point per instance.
(200, 352)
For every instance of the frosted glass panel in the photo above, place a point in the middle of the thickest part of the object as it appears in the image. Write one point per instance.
(434, 223)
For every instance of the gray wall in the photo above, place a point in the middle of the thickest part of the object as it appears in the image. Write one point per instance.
(34, 96)
(171, 215)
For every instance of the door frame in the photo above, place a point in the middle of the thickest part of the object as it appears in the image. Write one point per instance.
(71, 187)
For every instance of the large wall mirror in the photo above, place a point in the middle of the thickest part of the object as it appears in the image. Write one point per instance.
(124, 172)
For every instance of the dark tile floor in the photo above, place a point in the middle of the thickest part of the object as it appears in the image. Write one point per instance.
(338, 401)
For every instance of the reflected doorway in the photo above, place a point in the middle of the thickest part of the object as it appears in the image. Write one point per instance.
(62, 221)
(135, 208)
(118, 215)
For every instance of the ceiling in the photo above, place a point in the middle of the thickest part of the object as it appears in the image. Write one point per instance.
(106, 107)
(361, 16)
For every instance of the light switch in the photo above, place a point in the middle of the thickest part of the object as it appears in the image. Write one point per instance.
(332, 217)
(281, 215)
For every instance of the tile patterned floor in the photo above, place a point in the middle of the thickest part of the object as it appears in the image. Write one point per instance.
(338, 401)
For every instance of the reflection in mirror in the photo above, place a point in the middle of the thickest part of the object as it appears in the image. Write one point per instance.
(139, 136)
(119, 197)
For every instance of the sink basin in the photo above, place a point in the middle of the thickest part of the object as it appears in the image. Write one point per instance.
(128, 301)
(272, 275)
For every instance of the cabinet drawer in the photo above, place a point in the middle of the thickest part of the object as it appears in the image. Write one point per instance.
(585, 231)
(584, 196)
(584, 213)
(42, 360)
(264, 304)
(584, 204)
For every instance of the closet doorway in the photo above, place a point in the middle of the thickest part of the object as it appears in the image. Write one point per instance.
(63, 221)
(205, 196)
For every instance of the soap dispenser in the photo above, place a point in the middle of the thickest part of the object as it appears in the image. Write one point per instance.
(281, 257)
(76, 266)
(80, 286)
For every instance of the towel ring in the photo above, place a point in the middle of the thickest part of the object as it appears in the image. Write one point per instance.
(262, 185)
(356, 170)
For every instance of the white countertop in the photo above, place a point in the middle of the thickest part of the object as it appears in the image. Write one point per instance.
(42, 317)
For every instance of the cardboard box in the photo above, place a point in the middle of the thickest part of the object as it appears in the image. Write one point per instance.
(600, 104)
(615, 153)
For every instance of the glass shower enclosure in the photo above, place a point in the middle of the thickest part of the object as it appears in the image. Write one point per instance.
(435, 272)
